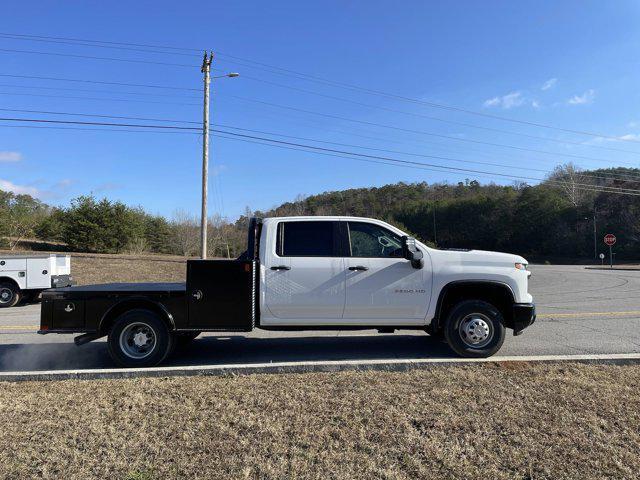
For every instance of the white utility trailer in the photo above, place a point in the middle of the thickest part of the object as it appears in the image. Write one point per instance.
(25, 276)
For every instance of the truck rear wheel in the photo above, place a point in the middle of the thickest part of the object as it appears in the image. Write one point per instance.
(9, 294)
(139, 338)
(475, 329)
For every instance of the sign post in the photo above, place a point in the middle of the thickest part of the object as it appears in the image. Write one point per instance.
(610, 240)
(601, 259)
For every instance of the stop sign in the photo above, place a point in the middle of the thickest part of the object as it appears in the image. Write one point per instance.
(610, 239)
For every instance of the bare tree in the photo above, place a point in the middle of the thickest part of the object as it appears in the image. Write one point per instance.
(185, 235)
(300, 204)
(573, 183)
(217, 242)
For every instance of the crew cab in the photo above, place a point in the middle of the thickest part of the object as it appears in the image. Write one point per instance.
(307, 273)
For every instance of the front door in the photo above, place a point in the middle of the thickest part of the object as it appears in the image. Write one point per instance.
(304, 272)
(381, 285)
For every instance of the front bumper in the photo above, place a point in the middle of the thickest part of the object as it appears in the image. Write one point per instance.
(524, 315)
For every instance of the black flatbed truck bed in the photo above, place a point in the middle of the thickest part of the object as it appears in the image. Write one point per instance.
(219, 295)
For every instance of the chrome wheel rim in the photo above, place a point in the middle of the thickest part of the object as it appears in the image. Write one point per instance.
(6, 295)
(137, 340)
(476, 330)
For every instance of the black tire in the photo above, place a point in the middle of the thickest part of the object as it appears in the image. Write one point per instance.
(10, 294)
(484, 324)
(155, 339)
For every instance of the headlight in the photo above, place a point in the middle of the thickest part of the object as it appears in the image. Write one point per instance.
(521, 266)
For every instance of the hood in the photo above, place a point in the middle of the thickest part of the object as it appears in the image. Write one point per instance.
(482, 257)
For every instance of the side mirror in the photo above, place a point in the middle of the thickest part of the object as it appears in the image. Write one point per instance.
(411, 252)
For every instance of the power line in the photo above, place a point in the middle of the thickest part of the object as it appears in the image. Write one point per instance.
(195, 129)
(98, 129)
(342, 152)
(146, 85)
(128, 100)
(110, 124)
(628, 177)
(305, 76)
(314, 78)
(329, 151)
(117, 92)
(438, 119)
(105, 42)
(420, 132)
(92, 57)
(122, 117)
(93, 45)
(439, 168)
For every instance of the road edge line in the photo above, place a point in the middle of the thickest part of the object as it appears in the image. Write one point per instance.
(390, 365)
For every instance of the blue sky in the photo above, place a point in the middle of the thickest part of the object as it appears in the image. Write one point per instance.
(571, 64)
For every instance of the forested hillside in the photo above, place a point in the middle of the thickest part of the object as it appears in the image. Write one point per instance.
(554, 218)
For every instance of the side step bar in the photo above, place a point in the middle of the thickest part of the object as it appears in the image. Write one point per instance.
(86, 338)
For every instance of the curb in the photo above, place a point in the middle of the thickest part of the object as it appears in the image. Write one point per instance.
(622, 269)
(390, 365)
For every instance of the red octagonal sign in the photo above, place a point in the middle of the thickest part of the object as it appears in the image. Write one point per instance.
(610, 239)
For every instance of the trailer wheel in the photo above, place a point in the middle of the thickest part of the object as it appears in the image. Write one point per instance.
(475, 328)
(139, 338)
(9, 294)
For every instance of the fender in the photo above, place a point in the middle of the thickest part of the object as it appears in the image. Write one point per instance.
(131, 303)
(494, 284)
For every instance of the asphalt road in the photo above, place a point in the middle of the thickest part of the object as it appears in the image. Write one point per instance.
(579, 312)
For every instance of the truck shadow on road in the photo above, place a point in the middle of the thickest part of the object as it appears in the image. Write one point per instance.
(219, 350)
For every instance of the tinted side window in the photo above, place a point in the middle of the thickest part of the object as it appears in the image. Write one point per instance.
(306, 239)
(369, 240)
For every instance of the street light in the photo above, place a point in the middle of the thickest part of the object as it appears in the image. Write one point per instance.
(595, 239)
(228, 75)
(206, 69)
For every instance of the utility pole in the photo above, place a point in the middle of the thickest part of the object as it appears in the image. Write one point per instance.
(595, 240)
(206, 70)
(435, 239)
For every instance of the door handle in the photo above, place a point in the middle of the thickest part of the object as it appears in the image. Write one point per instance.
(197, 295)
(281, 267)
(359, 268)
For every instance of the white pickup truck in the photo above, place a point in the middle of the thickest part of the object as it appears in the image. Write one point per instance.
(308, 273)
(25, 276)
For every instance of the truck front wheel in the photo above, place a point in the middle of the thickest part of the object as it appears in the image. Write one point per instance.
(475, 328)
(9, 294)
(139, 338)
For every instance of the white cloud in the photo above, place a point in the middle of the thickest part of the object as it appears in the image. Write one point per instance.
(535, 104)
(8, 156)
(549, 84)
(584, 99)
(635, 137)
(630, 136)
(492, 102)
(8, 186)
(633, 124)
(510, 100)
(64, 183)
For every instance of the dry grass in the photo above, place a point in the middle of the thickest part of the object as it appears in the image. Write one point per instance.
(89, 269)
(489, 422)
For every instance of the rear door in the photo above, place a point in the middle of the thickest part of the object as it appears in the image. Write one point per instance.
(380, 284)
(304, 272)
